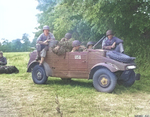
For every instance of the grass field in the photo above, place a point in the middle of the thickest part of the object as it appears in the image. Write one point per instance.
(20, 97)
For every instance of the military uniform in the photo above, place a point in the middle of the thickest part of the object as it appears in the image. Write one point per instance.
(63, 46)
(43, 48)
(3, 61)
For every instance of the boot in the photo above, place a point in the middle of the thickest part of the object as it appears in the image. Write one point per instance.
(38, 56)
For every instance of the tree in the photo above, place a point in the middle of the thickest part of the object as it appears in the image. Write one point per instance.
(26, 42)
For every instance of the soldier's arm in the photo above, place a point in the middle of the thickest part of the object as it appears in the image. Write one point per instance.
(39, 40)
(107, 47)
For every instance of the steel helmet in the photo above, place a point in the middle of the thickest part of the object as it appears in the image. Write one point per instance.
(109, 32)
(76, 43)
(89, 43)
(68, 35)
(45, 27)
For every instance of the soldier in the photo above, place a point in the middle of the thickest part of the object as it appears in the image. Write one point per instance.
(6, 69)
(90, 45)
(64, 45)
(3, 60)
(43, 42)
(112, 43)
(76, 46)
(67, 37)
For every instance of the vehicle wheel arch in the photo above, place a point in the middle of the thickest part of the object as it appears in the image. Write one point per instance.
(102, 65)
(47, 68)
(31, 66)
(93, 70)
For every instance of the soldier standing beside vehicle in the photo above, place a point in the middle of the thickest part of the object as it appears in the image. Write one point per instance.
(3, 60)
(43, 42)
(112, 43)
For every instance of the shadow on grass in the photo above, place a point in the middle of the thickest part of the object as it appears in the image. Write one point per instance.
(73, 82)
(141, 85)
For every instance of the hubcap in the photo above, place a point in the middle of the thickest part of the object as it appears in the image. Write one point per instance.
(39, 75)
(104, 81)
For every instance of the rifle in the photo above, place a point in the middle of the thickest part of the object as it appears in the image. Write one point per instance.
(98, 42)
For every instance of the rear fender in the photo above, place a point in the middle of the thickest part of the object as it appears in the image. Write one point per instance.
(110, 67)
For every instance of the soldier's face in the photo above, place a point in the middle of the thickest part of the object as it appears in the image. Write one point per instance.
(46, 32)
(90, 46)
(77, 47)
(110, 36)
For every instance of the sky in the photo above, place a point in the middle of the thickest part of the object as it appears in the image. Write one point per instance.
(17, 17)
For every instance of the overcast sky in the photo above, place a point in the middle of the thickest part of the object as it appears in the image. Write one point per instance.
(17, 17)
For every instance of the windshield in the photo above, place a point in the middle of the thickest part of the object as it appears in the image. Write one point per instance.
(98, 45)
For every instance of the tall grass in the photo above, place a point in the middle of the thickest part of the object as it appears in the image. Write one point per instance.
(19, 96)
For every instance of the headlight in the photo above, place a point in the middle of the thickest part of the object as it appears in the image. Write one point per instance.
(131, 67)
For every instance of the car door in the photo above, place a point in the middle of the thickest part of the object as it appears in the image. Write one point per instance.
(78, 66)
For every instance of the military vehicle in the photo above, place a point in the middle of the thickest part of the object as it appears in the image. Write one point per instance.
(105, 68)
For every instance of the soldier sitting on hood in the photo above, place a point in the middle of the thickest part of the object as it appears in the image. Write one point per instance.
(3, 60)
(43, 42)
(112, 43)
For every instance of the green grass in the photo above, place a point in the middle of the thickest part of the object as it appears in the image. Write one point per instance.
(20, 97)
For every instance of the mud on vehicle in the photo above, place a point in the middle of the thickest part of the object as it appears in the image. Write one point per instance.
(106, 68)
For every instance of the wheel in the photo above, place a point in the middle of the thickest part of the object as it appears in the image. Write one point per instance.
(127, 78)
(120, 57)
(39, 75)
(104, 80)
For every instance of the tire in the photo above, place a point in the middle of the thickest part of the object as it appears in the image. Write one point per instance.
(104, 80)
(39, 75)
(127, 78)
(120, 57)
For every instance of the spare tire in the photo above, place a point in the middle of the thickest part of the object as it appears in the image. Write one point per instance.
(120, 57)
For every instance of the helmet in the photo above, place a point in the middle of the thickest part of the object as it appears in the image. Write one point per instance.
(76, 43)
(89, 43)
(45, 27)
(68, 35)
(109, 32)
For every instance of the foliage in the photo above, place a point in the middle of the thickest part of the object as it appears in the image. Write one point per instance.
(90, 19)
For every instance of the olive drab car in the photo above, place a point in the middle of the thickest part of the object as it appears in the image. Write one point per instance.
(96, 64)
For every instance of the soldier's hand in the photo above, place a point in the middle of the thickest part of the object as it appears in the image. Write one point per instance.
(48, 40)
(113, 45)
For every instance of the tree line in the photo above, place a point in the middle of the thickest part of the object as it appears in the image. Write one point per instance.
(17, 45)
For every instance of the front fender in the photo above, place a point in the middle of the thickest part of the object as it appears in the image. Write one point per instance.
(47, 69)
(31, 65)
(108, 66)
